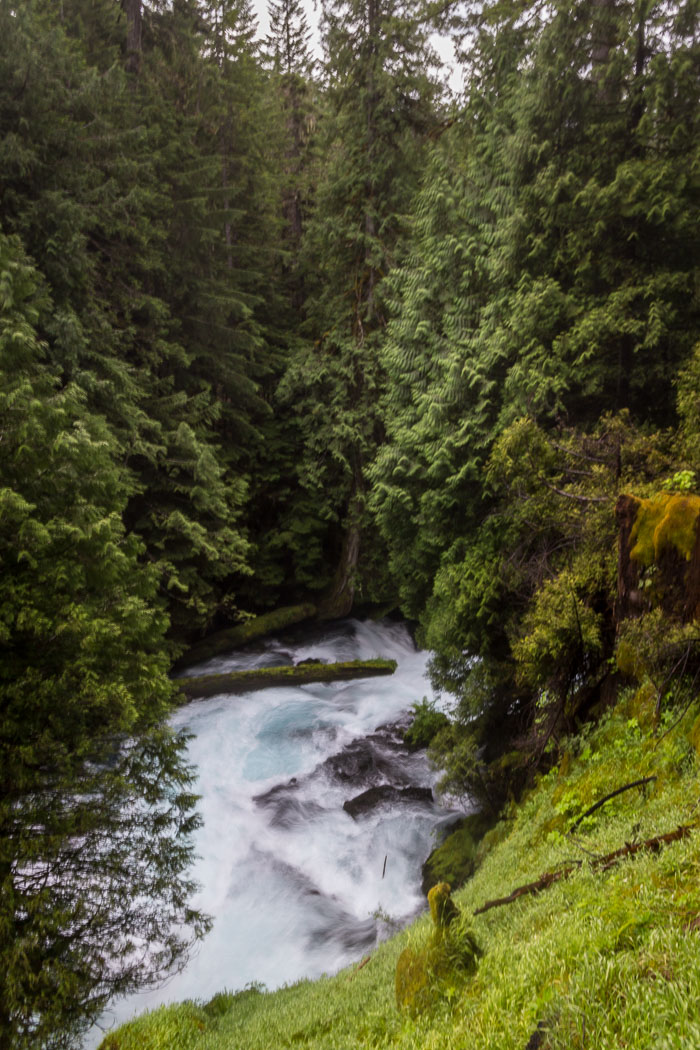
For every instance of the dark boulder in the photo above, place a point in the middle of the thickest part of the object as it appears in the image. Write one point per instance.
(383, 794)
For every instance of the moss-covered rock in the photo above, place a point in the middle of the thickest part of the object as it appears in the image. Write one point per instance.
(659, 555)
(670, 519)
(443, 909)
(425, 974)
(454, 860)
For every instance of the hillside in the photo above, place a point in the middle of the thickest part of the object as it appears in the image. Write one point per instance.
(608, 956)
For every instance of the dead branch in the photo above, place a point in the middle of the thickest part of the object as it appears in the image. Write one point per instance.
(604, 863)
(618, 791)
(575, 496)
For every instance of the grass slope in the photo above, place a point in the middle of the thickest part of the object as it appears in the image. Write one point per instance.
(601, 960)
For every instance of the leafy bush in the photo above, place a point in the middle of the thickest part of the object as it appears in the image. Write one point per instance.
(427, 723)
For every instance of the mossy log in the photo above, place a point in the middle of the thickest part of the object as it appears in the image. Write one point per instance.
(235, 682)
(233, 637)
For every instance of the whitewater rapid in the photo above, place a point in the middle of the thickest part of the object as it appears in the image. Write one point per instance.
(295, 885)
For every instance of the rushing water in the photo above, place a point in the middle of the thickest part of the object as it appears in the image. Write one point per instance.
(295, 885)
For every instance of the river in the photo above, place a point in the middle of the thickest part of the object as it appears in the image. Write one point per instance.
(295, 885)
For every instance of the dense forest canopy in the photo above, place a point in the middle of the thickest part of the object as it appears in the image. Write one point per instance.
(275, 329)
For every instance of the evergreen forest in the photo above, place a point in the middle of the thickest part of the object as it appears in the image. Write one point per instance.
(281, 330)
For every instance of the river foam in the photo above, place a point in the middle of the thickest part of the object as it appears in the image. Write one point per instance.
(295, 885)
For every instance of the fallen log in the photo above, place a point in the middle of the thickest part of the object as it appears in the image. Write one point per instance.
(242, 633)
(604, 863)
(236, 682)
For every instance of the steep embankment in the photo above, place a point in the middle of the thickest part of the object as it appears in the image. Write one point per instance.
(608, 955)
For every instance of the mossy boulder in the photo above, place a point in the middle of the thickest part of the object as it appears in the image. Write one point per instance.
(659, 555)
(668, 520)
(443, 909)
(455, 859)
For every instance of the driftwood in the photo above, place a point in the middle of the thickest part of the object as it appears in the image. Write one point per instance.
(613, 794)
(236, 682)
(604, 863)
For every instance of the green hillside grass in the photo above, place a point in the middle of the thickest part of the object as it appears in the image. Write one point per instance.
(603, 959)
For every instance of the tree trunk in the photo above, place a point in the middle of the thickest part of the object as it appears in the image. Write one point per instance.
(234, 683)
(133, 35)
(339, 601)
(604, 35)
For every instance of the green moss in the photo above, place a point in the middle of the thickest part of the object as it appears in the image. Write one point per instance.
(669, 519)
(180, 1026)
(443, 910)
(235, 682)
(426, 975)
(454, 860)
(412, 982)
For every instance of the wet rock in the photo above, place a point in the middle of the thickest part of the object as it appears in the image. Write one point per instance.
(271, 797)
(290, 811)
(383, 794)
(372, 760)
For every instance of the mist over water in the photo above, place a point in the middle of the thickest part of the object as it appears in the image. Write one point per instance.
(296, 887)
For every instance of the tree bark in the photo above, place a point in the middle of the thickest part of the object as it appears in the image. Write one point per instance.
(604, 39)
(133, 35)
(339, 600)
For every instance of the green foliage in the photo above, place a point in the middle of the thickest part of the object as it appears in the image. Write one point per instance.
(95, 798)
(682, 481)
(428, 974)
(378, 110)
(655, 648)
(427, 723)
(528, 301)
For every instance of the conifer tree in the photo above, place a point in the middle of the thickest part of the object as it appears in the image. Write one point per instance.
(95, 806)
(549, 274)
(380, 107)
(121, 205)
